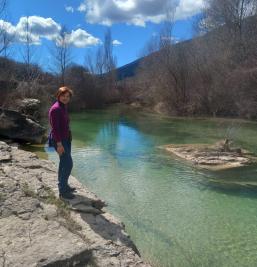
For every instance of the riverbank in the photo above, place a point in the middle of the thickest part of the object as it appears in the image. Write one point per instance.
(38, 229)
(164, 114)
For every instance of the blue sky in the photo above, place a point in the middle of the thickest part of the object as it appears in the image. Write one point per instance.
(132, 23)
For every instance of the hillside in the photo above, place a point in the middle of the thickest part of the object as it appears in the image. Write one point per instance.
(130, 69)
(212, 75)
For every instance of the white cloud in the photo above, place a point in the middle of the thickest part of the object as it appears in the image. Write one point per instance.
(36, 28)
(69, 9)
(116, 42)
(171, 39)
(82, 7)
(137, 12)
(188, 8)
(126, 5)
(8, 31)
(7, 27)
(81, 38)
(32, 27)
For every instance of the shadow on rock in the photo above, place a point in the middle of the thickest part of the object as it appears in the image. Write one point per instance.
(103, 224)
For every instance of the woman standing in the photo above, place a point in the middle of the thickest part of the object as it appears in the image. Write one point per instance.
(60, 136)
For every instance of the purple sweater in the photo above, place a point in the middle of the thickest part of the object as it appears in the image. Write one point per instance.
(59, 121)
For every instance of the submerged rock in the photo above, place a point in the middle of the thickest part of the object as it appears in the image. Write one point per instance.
(212, 157)
(216, 158)
(38, 229)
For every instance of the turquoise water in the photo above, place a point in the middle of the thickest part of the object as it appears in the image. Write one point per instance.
(171, 210)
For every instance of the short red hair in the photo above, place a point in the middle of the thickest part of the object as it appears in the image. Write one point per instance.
(63, 90)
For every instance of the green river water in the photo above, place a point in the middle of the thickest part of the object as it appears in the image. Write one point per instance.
(174, 215)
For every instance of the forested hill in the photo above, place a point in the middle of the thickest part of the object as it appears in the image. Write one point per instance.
(130, 69)
(127, 70)
(214, 74)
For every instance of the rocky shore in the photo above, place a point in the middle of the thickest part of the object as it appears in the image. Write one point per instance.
(38, 229)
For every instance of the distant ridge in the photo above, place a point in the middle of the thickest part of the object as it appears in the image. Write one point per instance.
(128, 70)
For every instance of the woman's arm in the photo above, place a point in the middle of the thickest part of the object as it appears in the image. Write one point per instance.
(55, 123)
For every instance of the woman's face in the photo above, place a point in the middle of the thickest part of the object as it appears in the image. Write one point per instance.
(64, 98)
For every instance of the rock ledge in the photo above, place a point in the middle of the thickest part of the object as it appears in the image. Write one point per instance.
(38, 229)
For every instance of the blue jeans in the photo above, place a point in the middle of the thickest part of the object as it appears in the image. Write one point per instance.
(65, 166)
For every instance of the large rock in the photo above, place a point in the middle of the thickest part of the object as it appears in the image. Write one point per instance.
(38, 229)
(29, 107)
(17, 126)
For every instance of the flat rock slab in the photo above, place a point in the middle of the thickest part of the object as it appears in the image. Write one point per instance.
(39, 242)
(208, 157)
(39, 229)
(5, 153)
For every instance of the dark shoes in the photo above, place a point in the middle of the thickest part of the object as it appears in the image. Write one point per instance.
(66, 195)
(71, 189)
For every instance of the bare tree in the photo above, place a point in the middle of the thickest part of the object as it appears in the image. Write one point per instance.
(94, 62)
(172, 66)
(109, 59)
(233, 16)
(62, 54)
(109, 64)
(102, 65)
(28, 52)
(89, 62)
(230, 13)
(103, 61)
(150, 47)
(157, 76)
(5, 37)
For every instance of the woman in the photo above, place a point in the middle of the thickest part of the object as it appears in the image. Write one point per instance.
(60, 136)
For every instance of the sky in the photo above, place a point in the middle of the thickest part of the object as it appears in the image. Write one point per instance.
(132, 22)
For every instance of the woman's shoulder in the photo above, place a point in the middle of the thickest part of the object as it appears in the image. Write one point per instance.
(55, 107)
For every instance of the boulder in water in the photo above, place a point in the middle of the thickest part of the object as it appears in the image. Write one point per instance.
(212, 157)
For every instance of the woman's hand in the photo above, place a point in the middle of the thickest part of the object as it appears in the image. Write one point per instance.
(60, 149)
